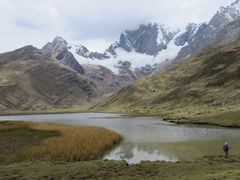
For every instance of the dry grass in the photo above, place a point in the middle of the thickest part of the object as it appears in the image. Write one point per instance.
(74, 144)
(17, 136)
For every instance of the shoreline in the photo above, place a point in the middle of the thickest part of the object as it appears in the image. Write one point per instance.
(184, 121)
(202, 123)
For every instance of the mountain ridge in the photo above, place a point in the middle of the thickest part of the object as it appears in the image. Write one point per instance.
(154, 43)
(208, 32)
(198, 90)
(33, 81)
(145, 51)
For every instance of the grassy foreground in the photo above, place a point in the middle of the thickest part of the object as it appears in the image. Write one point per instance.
(206, 168)
(45, 141)
(53, 151)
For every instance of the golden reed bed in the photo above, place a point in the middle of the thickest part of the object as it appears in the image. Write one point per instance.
(75, 143)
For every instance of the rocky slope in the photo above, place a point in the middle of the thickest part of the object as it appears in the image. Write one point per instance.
(106, 81)
(203, 86)
(30, 80)
(223, 25)
(58, 49)
(228, 34)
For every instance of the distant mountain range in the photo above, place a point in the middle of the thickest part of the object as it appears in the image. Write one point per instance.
(153, 46)
(138, 53)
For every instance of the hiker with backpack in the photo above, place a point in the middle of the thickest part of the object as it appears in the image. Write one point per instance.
(226, 149)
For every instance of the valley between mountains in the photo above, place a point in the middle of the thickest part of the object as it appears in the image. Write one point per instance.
(188, 74)
(159, 102)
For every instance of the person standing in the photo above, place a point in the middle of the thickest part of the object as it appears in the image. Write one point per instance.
(226, 149)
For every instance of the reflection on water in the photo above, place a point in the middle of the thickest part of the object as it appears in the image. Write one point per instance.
(134, 153)
(144, 138)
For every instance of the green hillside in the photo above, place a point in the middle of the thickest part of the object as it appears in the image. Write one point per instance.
(205, 89)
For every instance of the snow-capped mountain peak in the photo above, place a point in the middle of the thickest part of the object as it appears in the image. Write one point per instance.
(236, 4)
(60, 39)
(152, 43)
(164, 34)
(146, 46)
(187, 34)
(221, 29)
(59, 43)
(147, 39)
(226, 14)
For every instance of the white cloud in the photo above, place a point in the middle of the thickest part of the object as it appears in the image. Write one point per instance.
(95, 23)
(98, 44)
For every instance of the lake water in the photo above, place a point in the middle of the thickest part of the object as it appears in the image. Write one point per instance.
(147, 138)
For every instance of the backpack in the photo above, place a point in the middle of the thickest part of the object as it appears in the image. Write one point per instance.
(225, 147)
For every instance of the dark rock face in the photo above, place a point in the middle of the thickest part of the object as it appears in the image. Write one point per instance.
(84, 52)
(144, 40)
(124, 64)
(187, 36)
(125, 43)
(147, 42)
(58, 49)
(147, 39)
(147, 69)
(99, 56)
(68, 59)
(229, 34)
(112, 48)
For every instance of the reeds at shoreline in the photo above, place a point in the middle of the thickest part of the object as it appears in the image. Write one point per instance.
(75, 143)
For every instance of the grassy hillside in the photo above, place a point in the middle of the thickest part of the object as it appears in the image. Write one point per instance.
(205, 89)
(29, 81)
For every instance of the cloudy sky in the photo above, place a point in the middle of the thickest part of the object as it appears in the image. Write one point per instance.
(94, 23)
